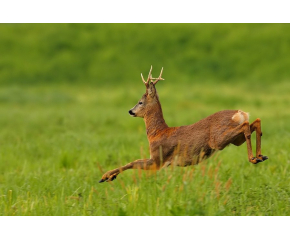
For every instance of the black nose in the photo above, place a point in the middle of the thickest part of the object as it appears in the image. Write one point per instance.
(131, 113)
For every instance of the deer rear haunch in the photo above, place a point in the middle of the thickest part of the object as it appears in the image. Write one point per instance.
(188, 145)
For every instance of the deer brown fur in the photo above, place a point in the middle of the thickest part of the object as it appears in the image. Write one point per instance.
(188, 145)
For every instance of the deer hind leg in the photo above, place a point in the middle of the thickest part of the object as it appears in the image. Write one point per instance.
(239, 135)
(256, 126)
(145, 164)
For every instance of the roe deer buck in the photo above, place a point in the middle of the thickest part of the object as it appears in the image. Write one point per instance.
(187, 145)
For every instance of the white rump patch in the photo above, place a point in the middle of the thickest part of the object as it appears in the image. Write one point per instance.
(240, 117)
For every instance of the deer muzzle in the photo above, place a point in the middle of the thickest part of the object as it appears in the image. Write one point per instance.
(132, 113)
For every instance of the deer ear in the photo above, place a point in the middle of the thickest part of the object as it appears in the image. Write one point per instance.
(151, 90)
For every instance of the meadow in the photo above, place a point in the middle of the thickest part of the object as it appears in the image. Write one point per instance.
(65, 92)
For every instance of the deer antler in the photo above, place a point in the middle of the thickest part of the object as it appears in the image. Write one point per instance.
(159, 78)
(148, 79)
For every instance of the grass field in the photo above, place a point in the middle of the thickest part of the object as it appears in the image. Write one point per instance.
(64, 118)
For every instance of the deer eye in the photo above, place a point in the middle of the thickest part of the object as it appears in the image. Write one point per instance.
(140, 103)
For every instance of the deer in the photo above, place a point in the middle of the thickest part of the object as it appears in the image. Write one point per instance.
(188, 145)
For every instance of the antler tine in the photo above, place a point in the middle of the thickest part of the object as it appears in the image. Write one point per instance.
(148, 79)
(159, 78)
(149, 74)
(143, 78)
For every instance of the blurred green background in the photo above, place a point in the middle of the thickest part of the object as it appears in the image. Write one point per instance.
(65, 92)
(116, 53)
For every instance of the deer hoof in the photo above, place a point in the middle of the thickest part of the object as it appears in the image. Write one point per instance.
(263, 157)
(102, 180)
(256, 160)
(113, 178)
(259, 160)
(109, 179)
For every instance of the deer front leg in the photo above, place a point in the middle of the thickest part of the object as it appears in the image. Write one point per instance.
(145, 164)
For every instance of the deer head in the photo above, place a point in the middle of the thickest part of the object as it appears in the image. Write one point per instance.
(149, 99)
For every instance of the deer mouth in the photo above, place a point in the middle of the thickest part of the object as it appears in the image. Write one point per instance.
(132, 113)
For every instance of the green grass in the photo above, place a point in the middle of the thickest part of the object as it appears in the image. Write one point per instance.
(56, 141)
(65, 92)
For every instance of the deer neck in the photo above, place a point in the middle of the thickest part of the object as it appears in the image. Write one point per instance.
(154, 121)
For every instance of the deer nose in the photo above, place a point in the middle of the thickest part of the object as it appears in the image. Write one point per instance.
(131, 113)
